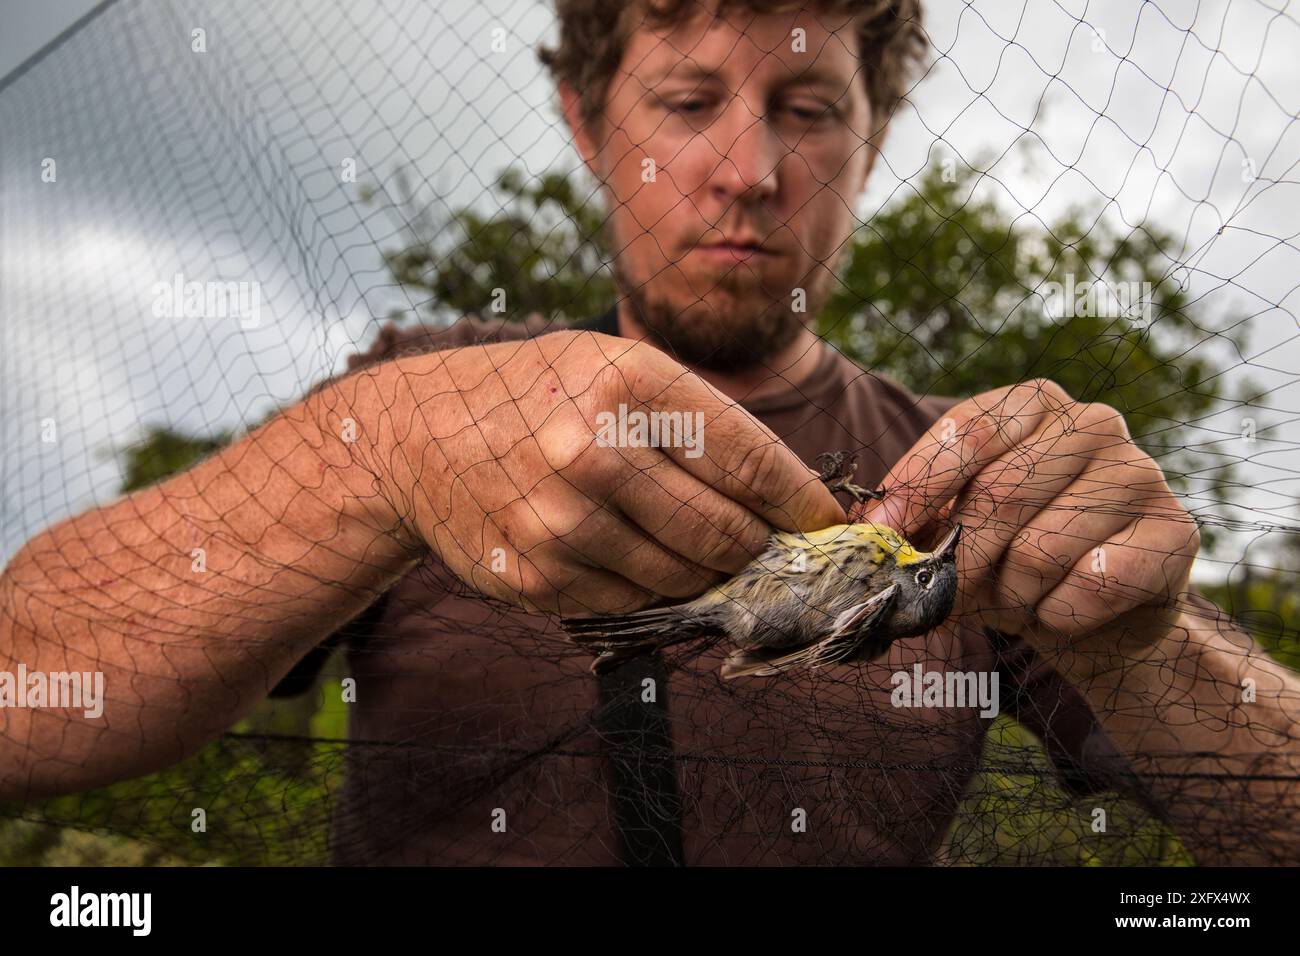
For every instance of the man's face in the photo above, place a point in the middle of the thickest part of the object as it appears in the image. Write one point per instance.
(735, 152)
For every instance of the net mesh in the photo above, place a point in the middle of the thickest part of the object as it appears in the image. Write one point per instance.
(211, 211)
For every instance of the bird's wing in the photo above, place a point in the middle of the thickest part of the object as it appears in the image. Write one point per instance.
(851, 629)
(854, 627)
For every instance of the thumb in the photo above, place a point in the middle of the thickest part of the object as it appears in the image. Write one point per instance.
(892, 512)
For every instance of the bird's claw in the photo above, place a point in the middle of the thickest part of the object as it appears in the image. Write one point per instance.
(838, 468)
(859, 493)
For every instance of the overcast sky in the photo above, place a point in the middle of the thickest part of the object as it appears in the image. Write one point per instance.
(29, 26)
(225, 165)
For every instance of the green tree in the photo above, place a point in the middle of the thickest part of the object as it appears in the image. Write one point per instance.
(947, 292)
(163, 451)
(542, 247)
(1260, 593)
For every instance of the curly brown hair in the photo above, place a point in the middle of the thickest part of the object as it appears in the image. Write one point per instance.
(891, 43)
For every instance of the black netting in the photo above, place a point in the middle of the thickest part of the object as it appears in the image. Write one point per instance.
(304, 461)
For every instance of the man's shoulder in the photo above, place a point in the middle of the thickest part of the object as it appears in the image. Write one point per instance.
(395, 340)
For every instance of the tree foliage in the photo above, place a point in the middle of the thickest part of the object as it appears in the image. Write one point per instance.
(948, 293)
(543, 248)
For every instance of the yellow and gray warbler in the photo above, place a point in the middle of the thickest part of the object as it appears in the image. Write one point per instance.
(841, 594)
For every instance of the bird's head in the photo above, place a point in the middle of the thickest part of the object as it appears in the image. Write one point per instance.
(927, 584)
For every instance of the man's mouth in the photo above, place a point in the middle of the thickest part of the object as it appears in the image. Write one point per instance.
(732, 251)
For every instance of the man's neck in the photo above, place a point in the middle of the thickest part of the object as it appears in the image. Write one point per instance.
(794, 363)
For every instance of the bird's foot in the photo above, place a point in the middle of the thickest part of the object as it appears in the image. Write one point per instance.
(838, 468)
(859, 493)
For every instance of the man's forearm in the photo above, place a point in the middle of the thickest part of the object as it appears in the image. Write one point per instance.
(1211, 725)
(192, 597)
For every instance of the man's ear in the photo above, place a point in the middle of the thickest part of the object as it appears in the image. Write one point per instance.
(873, 150)
(874, 144)
(584, 138)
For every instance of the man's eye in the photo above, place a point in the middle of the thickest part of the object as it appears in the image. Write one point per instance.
(696, 112)
(809, 112)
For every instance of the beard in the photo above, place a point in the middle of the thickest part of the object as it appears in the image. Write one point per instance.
(737, 326)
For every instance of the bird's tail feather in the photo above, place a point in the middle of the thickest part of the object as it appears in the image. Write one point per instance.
(620, 637)
(653, 626)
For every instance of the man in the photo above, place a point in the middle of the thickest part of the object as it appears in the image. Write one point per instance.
(731, 151)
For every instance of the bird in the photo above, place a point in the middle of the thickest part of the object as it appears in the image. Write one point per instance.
(809, 600)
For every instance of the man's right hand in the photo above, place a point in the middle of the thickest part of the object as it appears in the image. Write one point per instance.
(488, 455)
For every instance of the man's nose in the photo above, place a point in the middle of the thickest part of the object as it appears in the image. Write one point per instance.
(749, 154)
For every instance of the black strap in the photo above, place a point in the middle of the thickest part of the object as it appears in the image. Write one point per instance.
(643, 774)
(637, 739)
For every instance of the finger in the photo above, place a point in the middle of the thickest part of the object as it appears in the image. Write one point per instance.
(1082, 480)
(960, 445)
(687, 517)
(563, 557)
(998, 503)
(598, 534)
(1060, 536)
(1147, 558)
(928, 532)
(669, 504)
(729, 450)
(574, 589)
(555, 522)
(1145, 562)
(1104, 498)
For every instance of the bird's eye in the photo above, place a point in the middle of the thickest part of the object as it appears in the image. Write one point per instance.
(924, 578)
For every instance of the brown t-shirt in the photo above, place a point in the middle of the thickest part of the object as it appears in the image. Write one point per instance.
(479, 735)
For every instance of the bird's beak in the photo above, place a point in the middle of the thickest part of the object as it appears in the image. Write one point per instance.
(947, 549)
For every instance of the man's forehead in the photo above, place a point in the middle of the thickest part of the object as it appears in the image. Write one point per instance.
(824, 49)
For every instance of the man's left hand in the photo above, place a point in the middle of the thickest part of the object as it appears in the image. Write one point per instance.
(1070, 528)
